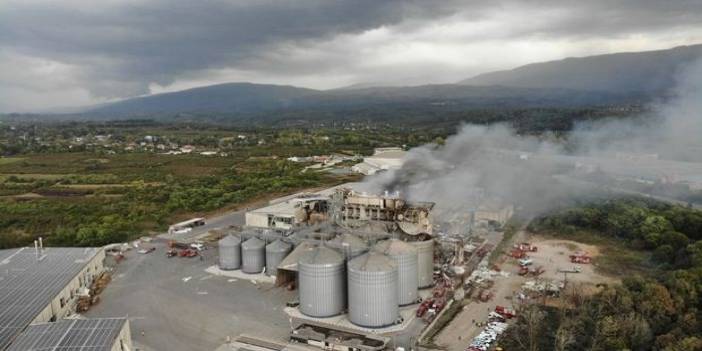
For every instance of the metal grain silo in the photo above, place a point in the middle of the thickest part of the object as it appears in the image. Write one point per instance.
(275, 253)
(372, 285)
(349, 245)
(322, 282)
(425, 262)
(253, 255)
(229, 253)
(405, 255)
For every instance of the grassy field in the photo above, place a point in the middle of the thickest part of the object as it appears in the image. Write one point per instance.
(8, 160)
(88, 199)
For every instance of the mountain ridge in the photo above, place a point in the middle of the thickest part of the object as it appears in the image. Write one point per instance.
(644, 71)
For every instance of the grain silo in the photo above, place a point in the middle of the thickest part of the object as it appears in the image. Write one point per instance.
(372, 287)
(405, 255)
(425, 262)
(253, 255)
(322, 282)
(275, 253)
(229, 253)
(349, 245)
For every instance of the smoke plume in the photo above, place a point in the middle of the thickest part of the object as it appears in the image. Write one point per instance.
(480, 163)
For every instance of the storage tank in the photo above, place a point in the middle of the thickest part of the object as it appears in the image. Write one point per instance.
(275, 253)
(425, 262)
(322, 282)
(253, 255)
(405, 255)
(372, 286)
(349, 245)
(230, 253)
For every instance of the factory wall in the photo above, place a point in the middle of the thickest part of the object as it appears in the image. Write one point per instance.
(254, 219)
(260, 220)
(64, 304)
(124, 339)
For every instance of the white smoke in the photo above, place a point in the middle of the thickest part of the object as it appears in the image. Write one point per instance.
(520, 169)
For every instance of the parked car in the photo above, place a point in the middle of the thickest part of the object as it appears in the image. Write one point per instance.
(146, 251)
(198, 246)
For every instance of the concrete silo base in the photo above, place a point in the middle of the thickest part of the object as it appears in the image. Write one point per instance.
(342, 322)
(238, 274)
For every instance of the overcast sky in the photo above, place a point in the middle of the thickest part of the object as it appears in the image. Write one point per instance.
(80, 52)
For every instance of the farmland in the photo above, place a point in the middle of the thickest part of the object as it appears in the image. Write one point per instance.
(81, 199)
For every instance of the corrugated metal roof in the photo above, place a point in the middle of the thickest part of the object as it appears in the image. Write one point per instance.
(74, 335)
(321, 255)
(29, 284)
(373, 262)
(278, 246)
(253, 243)
(230, 240)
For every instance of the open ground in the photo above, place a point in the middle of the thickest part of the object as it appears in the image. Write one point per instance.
(173, 304)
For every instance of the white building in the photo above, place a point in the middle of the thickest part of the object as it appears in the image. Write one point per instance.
(383, 159)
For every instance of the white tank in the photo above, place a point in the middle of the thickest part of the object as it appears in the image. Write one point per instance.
(322, 283)
(372, 287)
(275, 253)
(405, 255)
(253, 256)
(229, 253)
(425, 262)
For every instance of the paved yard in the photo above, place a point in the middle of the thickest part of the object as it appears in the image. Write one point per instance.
(173, 304)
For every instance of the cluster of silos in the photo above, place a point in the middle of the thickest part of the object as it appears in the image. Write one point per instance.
(252, 255)
(348, 245)
(373, 290)
(322, 283)
(425, 262)
(374, 283)
(405, 256)
(275, 253)
(230, 253)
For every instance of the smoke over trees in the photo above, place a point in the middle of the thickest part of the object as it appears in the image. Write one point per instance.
(539, 173)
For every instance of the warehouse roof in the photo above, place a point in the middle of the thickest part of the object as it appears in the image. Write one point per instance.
(70, 334)
(31, 282)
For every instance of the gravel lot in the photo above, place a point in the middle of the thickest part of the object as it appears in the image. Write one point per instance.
(168, 313)
(551, 255)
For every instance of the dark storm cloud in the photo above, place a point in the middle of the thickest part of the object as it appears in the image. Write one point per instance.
(118, 48)
(133, 44)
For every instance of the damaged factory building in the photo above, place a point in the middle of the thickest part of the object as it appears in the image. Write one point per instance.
(355, 208)
(345, 207)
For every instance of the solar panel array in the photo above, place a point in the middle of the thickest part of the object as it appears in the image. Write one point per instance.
(70, 335)
(29, 284)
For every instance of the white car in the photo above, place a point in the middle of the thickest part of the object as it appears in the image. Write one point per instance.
(198, 246)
